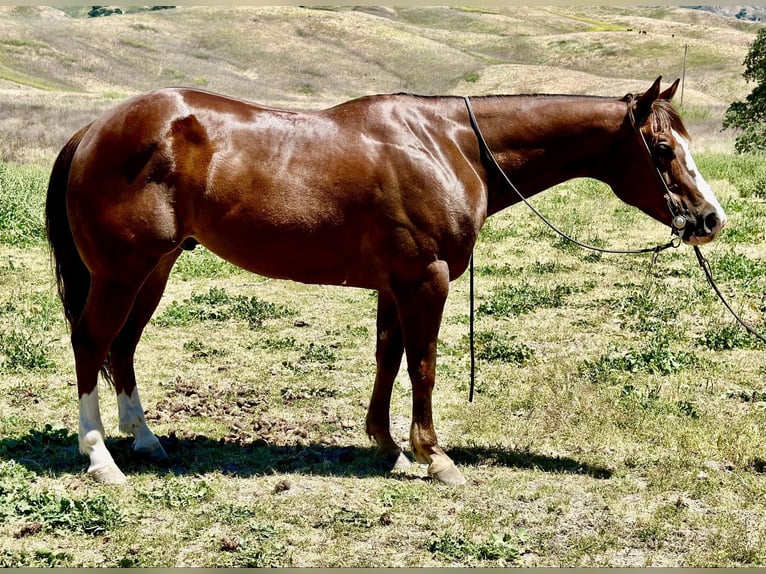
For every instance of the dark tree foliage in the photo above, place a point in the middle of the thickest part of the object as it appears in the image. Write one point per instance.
(97, 11)
(750, 116)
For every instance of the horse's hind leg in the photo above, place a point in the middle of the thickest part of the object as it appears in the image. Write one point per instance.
(388, 354)
(106, 309)
(121, 355)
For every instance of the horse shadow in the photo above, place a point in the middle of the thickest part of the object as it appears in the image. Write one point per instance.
(56, 452)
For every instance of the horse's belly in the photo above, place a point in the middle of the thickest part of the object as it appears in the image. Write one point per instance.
(328, 259)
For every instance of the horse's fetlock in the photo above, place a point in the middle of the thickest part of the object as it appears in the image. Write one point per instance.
(91, 440)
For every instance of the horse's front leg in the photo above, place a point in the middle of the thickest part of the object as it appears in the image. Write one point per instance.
(388, 354)
(420, 312)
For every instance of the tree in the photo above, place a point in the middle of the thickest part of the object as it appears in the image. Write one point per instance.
(750, 116)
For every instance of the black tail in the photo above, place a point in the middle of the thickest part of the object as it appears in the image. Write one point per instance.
(72, 276)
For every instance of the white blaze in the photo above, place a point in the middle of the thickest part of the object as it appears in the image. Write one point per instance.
(702, 185)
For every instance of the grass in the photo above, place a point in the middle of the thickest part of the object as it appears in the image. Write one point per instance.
(46, 511)
(618, 419)
(523, 298)
(217, 305)
(606, 389)
(23, 190)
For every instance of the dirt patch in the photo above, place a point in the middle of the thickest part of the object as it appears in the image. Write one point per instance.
(244, 411)
(191, 399)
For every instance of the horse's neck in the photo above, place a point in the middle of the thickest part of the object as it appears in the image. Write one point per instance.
(542, 141)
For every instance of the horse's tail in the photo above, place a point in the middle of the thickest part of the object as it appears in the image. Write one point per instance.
(72, 276)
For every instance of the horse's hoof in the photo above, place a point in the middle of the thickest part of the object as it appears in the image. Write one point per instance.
(152, 450)
(108, 474)
(448, 474)
(393, 461)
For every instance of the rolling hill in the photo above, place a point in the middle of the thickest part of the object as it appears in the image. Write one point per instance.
(60, 68)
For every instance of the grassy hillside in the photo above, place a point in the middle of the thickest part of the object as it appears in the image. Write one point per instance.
(57, 71)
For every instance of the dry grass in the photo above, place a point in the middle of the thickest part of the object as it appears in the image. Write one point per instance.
(618, 419)
(58, 72)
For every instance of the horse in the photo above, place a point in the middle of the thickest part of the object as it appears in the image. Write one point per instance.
(383, 192)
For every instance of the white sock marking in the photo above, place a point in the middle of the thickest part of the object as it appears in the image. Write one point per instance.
(91, 436)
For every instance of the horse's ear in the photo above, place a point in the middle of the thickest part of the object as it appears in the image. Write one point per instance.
(670, 92)
(643, 106)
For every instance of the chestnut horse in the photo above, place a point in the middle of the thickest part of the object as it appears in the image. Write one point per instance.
(384, 192)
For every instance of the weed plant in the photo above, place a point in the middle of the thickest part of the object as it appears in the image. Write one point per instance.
(217, 305)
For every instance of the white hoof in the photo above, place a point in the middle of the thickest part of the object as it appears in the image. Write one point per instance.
(395, 461)
(107, 473)
(446, 472)
(402, 463)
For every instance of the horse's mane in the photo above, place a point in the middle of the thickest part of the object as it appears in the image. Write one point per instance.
(665, 117)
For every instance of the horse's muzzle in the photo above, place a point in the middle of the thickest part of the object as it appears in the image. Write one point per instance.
(705, 229)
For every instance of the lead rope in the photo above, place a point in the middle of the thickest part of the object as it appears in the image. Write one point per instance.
(675, 242)
(470, 330)
(709, 276)
(678, 224)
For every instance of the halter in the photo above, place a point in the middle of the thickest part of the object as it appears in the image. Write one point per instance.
(680, 214)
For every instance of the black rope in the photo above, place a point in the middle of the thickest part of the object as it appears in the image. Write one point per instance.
(675, 242)
(679, 221)
(471, 330)
(485, 151)
(709, 276)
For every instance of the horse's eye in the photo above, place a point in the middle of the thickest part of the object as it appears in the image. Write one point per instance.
(664, 151)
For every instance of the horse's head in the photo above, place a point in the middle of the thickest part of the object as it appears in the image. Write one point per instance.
(661, 177)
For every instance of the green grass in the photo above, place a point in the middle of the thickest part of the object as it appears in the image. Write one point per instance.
(498, 549)
(523, 298)
(655, 358)
(218, 305)
(33, 510)
(18, 77)
(602, 383)
(22, 196)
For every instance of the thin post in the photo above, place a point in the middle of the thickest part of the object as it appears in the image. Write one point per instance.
(683, 74)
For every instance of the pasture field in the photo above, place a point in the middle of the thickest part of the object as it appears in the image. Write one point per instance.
(619, 416)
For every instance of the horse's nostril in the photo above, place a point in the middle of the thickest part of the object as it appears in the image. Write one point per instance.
(711, 222)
